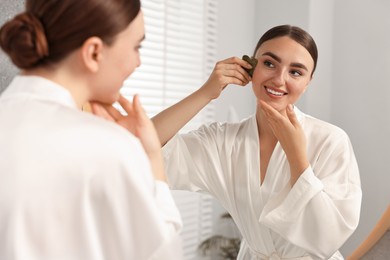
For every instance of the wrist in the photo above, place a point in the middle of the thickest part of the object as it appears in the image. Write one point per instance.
(157, 164)
(205, 94)
(297, 167)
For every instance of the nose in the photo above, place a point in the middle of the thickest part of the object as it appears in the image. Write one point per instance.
(138, 61)
(280, 77)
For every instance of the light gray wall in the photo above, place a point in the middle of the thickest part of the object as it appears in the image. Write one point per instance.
(321, 28)
(361, 99)
(8, 8)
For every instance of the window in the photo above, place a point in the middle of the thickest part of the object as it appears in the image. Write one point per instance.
(177, 56)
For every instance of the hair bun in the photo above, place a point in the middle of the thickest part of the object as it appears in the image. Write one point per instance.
(23, 39)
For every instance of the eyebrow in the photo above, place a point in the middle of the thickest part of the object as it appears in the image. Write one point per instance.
(278, 59)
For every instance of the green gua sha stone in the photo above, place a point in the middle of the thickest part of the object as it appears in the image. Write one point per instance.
(252, 61)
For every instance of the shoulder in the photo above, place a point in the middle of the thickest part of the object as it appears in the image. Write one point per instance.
(96, 138)
(215, 134)
(321, 128)
(323, 134)
(107, 149)
(90, 127)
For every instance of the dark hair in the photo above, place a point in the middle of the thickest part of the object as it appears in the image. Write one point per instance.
(49, 30)
(297, 34)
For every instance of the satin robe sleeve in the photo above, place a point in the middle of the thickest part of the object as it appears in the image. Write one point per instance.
(193, 161)
(321, 211)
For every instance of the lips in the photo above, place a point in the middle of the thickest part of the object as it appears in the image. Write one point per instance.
(275, 92)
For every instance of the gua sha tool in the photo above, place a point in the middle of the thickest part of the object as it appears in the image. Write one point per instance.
(252, 61)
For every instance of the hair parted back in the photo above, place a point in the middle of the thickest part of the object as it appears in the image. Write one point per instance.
(297, 34)
(49, 30)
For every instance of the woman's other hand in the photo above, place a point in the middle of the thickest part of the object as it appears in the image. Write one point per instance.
(291, 136)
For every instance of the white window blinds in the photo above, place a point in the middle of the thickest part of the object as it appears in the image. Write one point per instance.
(177, 56)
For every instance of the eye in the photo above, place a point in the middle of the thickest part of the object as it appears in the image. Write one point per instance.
(269, 64)
(296, 73)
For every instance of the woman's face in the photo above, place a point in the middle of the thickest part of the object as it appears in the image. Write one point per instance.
(282, 73)
(119, 61)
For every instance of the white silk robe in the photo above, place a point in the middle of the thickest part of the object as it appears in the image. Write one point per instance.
(74, 186)
(311, 220)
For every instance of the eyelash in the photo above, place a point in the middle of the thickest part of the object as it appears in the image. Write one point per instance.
(269, 64)
(296, 71)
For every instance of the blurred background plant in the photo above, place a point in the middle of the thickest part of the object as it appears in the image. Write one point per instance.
(225, 244)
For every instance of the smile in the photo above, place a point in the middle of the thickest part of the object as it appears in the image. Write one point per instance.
(275, 92)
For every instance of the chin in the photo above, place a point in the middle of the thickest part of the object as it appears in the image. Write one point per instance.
(115, 98)
(277, 106)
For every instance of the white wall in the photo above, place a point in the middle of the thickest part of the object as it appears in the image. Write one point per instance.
(361, 98)
(351, 87)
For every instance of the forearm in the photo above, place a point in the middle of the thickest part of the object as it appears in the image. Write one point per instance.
(378, 231)
(361, 250)
(366, 245)
(172, 119)
(157, 165)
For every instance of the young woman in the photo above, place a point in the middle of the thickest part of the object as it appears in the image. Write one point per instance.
(290, 181)
(75, 186)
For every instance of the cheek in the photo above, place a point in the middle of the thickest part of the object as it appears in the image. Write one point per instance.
(128, 64)
(296, 92)
(300, 87)
(257, 90)
(257, 76)
(261, 75)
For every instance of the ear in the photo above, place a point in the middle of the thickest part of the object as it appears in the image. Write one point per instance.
(91, 53)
